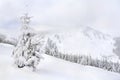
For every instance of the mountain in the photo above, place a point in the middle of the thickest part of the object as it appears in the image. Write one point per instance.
(116, 50)
(85, 41)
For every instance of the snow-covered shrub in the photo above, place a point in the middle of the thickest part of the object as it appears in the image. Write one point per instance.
(51, 48)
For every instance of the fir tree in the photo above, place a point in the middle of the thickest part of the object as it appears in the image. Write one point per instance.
(27, 51)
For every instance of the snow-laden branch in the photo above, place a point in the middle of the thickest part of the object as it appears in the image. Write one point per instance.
(7, 40)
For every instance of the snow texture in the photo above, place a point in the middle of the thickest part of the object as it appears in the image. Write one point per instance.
(50, 69)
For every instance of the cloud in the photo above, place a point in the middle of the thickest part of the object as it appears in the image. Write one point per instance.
(99, 14)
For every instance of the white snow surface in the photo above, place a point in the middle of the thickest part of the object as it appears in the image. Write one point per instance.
(50, 69)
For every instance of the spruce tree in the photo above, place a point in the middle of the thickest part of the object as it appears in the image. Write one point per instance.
(27, 50)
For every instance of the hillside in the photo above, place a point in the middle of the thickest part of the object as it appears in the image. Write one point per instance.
(84, 41)
(50, 69)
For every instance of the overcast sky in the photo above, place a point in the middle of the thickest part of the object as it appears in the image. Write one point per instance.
(103, 15)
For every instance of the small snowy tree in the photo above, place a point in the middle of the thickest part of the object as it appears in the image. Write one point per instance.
(51, 48)
(27, 51)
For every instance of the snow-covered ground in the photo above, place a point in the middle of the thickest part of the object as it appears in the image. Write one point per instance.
(50, 69)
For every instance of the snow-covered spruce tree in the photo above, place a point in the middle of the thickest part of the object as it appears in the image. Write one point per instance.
(27, 50)
(51, 48)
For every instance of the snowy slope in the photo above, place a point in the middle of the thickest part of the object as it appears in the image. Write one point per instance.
(50, 69)
(85, 41)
